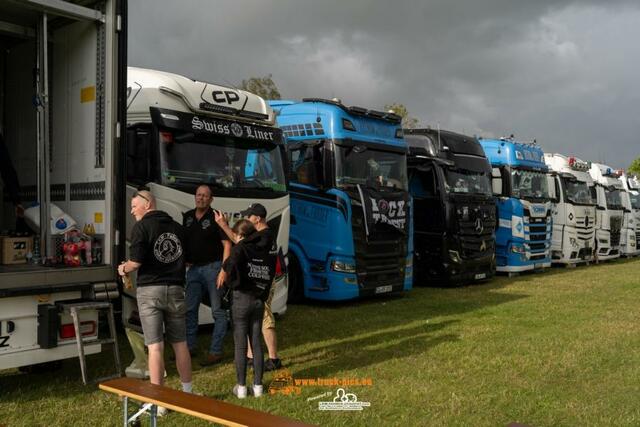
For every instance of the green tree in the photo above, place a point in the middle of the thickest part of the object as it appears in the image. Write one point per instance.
(634, 169)
(261, 86)
(408, 121)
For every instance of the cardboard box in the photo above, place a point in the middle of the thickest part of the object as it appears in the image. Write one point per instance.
(13, 250)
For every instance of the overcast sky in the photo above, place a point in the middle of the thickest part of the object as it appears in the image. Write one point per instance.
(562, 72)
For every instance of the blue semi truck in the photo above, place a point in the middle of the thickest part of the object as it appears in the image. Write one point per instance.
(520, 183)
(350, 232)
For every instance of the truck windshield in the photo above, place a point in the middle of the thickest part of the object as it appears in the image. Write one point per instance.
(222, 162)
(370, 167)
(468, 182)
(614, 199)
(528, 184)
(577, 192)
(635, 200)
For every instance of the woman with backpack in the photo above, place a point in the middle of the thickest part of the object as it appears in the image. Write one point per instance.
(248, 273)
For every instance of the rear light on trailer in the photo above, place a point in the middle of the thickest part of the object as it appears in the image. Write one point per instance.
(87, 328)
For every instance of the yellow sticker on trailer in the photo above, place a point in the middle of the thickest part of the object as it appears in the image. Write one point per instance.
(97, 217)
(88, 94)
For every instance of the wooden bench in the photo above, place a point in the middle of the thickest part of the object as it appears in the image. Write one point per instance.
(191, 404)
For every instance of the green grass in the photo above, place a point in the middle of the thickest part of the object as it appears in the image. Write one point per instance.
(560, 348)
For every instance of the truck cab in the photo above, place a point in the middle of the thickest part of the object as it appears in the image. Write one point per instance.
(350, 207)
(519, 181)
(607, 192)
(182, 133)
(454, 207)
(630, 238)
(574, 210)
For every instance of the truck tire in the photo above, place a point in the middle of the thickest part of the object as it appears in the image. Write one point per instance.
(296, 281)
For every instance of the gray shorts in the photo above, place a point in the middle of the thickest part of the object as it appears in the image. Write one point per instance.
(162, 309)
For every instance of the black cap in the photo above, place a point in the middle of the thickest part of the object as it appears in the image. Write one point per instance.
(255, 209)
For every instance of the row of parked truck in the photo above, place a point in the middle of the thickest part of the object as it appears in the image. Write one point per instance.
(485, 205)
(360, 206)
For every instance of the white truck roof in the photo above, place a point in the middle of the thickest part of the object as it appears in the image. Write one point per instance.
(569, 164)
(605, 175)
(630, 183)
(151, 88)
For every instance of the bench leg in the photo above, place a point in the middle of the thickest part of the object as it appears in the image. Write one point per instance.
(126, 411)
(154, 416)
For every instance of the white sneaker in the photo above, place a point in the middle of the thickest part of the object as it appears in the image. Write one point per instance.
(161, 412)
(240, 391)
(257, 390)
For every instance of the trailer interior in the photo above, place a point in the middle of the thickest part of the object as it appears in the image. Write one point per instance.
(57, 109)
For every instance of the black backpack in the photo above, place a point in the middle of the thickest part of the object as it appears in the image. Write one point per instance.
(258, 270)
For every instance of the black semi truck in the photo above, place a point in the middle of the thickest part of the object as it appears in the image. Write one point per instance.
(454, 208)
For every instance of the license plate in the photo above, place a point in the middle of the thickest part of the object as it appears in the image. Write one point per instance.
(480, 276)
(383, 289)
(538, 265)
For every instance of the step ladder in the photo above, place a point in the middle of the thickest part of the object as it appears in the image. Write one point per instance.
(74, 310)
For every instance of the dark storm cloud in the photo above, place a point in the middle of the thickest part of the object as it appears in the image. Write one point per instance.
(562, 72)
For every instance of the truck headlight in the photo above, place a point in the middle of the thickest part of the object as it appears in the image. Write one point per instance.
(518, 249)
(343, 267)
(454, 255)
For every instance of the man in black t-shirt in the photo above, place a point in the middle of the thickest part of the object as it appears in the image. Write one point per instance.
(157, 253)
(206, 247)
(257, 214)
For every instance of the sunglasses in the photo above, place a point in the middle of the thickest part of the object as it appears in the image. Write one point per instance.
(141, 196)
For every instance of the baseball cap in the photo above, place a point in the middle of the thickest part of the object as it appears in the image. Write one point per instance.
(256, 209)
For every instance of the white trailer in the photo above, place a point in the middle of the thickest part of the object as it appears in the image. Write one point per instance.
(630, 239)
(574, 210)
(61, 102)
(182, 133)
(609, 211)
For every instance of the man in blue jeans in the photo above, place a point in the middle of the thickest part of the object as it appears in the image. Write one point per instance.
(206, 247)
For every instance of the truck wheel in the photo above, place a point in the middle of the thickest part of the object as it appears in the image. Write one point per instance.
(296, 281)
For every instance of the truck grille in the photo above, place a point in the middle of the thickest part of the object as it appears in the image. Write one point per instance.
(539, 234)
(380, 259)
(477, 230)
(585, 232)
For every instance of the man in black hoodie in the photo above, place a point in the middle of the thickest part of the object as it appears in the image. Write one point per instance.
(157, 253)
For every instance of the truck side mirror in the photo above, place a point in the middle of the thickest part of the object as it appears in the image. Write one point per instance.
(554, 188)
(496, 182)
(138, 155)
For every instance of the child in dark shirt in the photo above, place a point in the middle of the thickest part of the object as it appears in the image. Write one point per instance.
(246, 271)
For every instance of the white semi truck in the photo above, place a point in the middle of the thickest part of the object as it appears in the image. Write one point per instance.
(630, 239)
(62, 68)
(182, 133)
(574, 211)
(609, 211)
